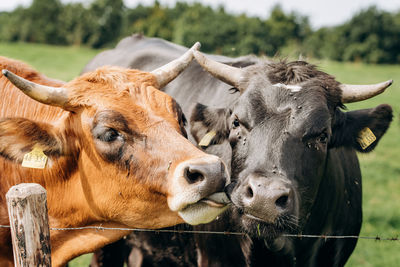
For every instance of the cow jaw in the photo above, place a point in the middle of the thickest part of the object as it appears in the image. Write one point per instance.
(66, 245)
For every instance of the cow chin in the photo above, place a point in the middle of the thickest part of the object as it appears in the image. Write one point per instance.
(270, 232)
(200, 213)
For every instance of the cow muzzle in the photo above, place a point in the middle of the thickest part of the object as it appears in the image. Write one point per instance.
(196, 189)
(264, 199)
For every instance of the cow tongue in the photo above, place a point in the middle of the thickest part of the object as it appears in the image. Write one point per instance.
(218, 200)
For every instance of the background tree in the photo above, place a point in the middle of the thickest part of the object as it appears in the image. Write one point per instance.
(106, 18)
(41, 23)
(76, 24)
(372, 35)
(154, 21)
(216, 30)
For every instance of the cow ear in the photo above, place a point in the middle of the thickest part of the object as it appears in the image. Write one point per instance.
(18, 136)
(361, 129)
(208, 123)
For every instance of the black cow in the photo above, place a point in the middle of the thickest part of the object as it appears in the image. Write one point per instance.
(291, 149)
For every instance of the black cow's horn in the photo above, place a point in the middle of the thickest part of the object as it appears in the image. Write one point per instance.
(230, 75)
(353, 93)
(168, 72)
(54, 96)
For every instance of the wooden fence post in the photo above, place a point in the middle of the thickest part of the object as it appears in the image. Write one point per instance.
(27, 210)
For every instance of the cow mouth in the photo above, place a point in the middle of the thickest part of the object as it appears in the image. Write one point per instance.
(269, 231)
(252, 217)
(216, 200)
(206, 209)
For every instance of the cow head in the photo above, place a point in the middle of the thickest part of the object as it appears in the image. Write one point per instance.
(119, 146)
(281, 130)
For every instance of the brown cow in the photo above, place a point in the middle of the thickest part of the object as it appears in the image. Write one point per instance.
(116, 155)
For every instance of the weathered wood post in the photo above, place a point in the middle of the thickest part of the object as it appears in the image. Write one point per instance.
(27, 210)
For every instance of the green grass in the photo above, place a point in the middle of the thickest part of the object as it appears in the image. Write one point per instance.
(380, 168)
(58, 62)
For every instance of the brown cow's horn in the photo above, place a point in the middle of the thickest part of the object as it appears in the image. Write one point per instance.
(230, 75)
(54, 96)
(168, 72)
(353, 93)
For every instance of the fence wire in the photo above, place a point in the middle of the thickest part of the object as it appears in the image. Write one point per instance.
(101, 228)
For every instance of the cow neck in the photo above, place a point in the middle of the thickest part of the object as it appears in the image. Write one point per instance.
(66, 245)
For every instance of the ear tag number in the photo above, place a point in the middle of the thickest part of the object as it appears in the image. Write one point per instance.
(35, 159)
(206, 140)
(366, 137)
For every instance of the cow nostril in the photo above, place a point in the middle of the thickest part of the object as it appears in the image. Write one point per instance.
(193, 176)
(282, 202)
(249, 192)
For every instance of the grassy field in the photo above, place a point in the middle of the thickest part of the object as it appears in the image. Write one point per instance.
(59, 62)
(381, 168)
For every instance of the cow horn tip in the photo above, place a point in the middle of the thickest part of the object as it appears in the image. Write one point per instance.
(386, 85)
(5, 72)
(196, 46)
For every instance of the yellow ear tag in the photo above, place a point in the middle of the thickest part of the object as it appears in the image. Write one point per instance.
(206, 140)
(366, 137)
(35, 159)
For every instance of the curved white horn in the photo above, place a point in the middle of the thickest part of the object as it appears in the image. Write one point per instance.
(170, 71)
(353, 93)
(228, 74)
(54, 96)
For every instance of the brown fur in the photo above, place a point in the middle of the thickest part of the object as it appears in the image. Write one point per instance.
(83, 187)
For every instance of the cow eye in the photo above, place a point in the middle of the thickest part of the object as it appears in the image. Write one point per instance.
(109, 135)
(323, 138)
(235, 123)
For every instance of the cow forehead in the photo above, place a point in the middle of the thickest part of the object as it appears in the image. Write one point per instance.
(264, 101)
(109, 82)
(293, 77)
(119, 87)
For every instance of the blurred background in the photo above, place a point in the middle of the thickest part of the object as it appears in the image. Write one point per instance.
(367, 31)
(357, 41)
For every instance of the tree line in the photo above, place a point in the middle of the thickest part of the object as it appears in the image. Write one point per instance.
(372, 35)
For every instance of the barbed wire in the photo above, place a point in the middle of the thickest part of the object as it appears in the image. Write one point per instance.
(102, 228)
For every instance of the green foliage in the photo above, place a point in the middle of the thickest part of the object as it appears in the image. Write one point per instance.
(104, 22)
(106, 19)
(372, 35)
(38, 27)
(251, 33)
(216, 29)
(154, 21)
(7, 31)
(280, 28)
(76, 25)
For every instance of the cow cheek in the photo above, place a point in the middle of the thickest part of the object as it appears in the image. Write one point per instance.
(147, 169)
(312, 172)
(128, 201)
(140, 206)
